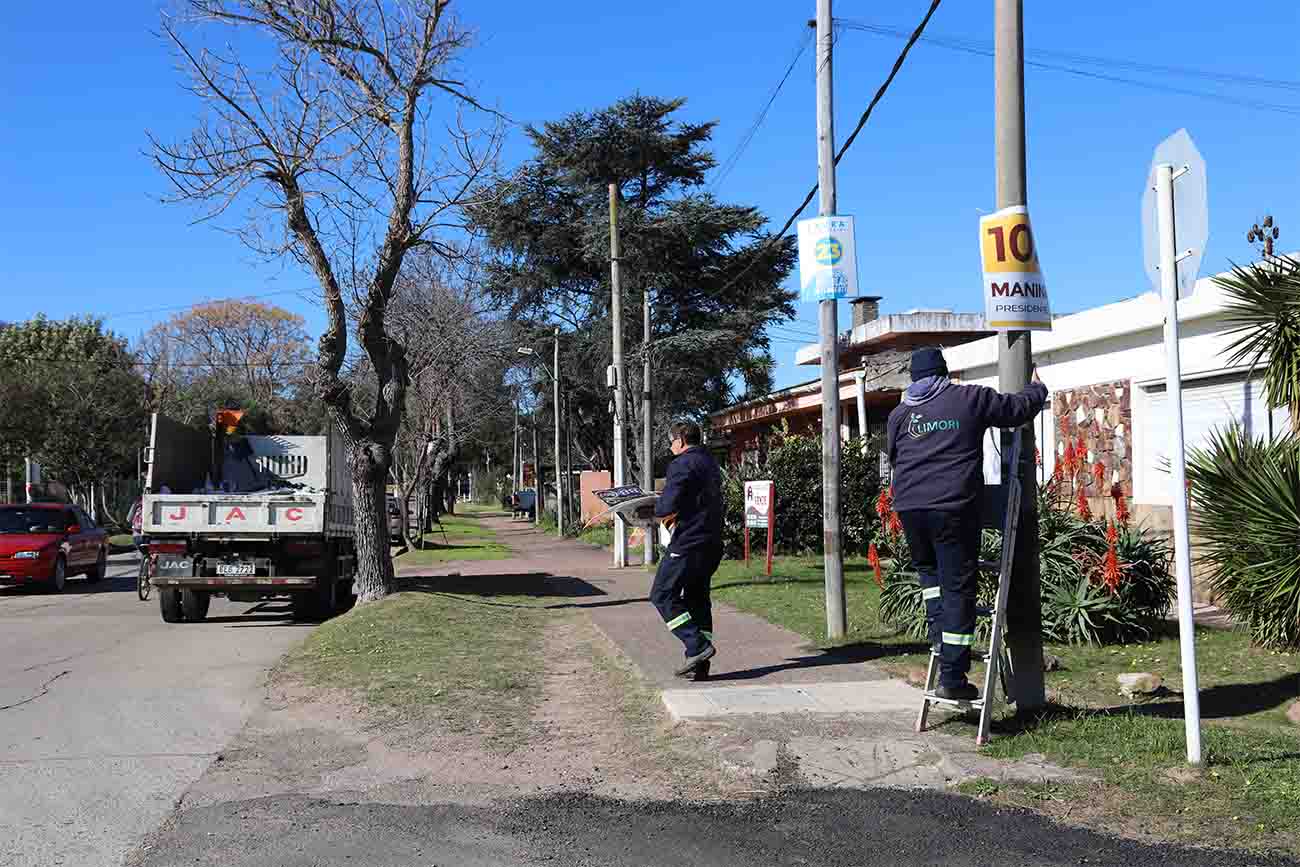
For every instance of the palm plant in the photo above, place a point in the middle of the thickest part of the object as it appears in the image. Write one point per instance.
(1264, 310)
(1246, 494)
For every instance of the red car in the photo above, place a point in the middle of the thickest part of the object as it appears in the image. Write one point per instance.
(47, 542)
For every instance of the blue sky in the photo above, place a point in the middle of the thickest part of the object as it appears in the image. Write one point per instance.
(82, 229)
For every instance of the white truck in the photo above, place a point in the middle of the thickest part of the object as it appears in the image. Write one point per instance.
(248, 518)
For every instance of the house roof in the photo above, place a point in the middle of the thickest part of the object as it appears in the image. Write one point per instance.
(903, 332)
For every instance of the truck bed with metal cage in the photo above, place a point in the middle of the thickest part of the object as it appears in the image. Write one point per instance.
(249, 517)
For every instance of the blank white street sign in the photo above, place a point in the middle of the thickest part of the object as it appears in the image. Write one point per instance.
(1191, 211)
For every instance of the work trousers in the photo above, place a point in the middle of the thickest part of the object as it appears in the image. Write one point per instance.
(945, 551)
(680, 594)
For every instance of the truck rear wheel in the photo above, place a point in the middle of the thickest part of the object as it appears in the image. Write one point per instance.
(303, 604)
(194, 604)
(169, 603)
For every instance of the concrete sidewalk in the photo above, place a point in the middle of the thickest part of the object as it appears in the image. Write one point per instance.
(772, 698)
(751, 651)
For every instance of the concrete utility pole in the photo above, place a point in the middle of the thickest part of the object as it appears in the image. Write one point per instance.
(560, 479)
(539, 501)
(836, 622)
(1015, 361)
(647, 431)
(620, 404)
(860, 385)
(568, 457)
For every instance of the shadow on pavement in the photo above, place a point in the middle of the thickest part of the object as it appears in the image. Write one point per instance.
(849, 654)
(76, 586)
(533, 584)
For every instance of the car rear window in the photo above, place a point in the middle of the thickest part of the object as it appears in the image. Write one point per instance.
(20, 519)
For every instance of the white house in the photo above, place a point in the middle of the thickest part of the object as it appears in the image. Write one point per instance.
(1105, 369)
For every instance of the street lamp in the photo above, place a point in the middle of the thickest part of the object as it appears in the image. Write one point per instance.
(560, 481)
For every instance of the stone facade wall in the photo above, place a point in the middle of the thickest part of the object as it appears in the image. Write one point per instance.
(1098, 422)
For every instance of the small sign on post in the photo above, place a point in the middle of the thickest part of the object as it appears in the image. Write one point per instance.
(760, 503)
(828, 262)
(1015, 293)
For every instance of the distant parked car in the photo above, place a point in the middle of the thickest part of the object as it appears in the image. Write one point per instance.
(47, 542)
(395, 528)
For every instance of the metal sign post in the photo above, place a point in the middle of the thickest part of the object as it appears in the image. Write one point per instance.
(1193, 211)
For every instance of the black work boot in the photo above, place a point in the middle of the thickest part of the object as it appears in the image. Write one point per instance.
(701, 672)
(964, 692)
(692, 662)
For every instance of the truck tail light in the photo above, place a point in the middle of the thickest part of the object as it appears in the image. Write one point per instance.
(167, 548)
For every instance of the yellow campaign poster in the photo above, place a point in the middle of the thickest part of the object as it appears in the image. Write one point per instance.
(1015, 293)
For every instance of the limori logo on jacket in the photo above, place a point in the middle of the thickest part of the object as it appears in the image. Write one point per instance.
(918, 425)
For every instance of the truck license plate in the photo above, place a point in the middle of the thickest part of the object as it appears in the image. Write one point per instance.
(236, 570)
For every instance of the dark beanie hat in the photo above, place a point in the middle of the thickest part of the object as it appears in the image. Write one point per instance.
(928, 362)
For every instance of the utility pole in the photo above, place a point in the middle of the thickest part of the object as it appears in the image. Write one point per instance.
(560, 480)
(620, 404)
(539, 499)
(1015, 360)
(828, 315)
(517, 465)
(568, 457)
(860, 387)
(647, 431)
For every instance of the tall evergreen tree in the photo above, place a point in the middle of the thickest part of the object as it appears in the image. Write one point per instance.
(714, 278)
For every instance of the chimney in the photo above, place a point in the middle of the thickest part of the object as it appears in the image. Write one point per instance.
(865, 309)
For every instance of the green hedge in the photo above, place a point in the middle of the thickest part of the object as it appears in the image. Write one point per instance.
(794, 464)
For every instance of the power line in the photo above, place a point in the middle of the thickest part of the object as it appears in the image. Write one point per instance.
(862, 121)
(730, 163)
(1085, 59)
(986, 50)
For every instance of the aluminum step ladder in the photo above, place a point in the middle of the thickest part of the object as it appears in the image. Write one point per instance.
(998, 671)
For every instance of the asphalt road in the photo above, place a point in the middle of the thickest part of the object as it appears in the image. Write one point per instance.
(827, 828)
(107, 714)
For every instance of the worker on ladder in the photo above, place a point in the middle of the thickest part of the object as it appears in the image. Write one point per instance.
(936, 449)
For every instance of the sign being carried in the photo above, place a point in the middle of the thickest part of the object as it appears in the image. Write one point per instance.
(760, 505)
(1015, 293)
(828, 261)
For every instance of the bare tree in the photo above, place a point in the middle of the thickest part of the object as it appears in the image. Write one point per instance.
(340, 154)
(461, 350)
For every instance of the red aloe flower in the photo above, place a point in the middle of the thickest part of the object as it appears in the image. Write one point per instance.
(1099, 473)
(1121, 504)
(873, 557)
(895, 525)
(1085, 511)
(1068, 459)
(1111, 573)
(1112, 534)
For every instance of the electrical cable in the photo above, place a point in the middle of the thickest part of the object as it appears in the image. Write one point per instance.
(734, 158)
(776, 237)
(986, 50)
(962, 44)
